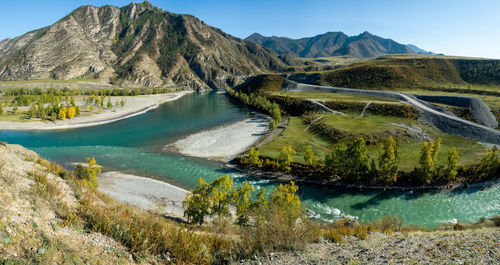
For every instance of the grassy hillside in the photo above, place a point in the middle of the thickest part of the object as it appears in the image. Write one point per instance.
(400, 72)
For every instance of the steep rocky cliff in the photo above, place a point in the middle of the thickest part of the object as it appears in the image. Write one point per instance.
(135, 45)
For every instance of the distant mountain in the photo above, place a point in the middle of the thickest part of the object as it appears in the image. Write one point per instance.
(364, 45)
(417, 50)
(135, 45)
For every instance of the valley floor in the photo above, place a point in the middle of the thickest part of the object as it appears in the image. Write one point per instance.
(480, 246)
(134, 106)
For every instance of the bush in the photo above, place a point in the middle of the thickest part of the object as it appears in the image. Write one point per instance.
(496, 220)
(389, 224)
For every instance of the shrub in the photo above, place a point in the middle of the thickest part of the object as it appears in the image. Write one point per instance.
(389, 224)
(496, 220)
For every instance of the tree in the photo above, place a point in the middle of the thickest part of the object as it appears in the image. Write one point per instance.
(1, 109)
(350, 162)
(451, 168)
(276, 112)
(109, 105)
(388, 161)
(286, 201)
(311, 158)
(77, 111)
(272, 125)
(122, 102)
(241, 200)
(221, 192)
(71, 112)
(285, 157)
(309, 155)
(14, 109)
(490, 162)
(428, 161)
(197, 203)
(209, 199)
(61, 115)
(89, 173)
(253, 158)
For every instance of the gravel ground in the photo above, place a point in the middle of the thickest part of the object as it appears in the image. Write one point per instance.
(225, 142)
(449, 247)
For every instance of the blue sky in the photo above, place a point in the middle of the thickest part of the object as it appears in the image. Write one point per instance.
(460, 27)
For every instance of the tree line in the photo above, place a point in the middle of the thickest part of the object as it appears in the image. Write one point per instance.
(259, 102)
(352, 164)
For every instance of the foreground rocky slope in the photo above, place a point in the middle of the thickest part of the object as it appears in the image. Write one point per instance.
(452, 247)
(31, 227)
(136, 45)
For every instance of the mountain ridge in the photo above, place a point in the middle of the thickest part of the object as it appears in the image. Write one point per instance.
(335, 43)
(135, 45)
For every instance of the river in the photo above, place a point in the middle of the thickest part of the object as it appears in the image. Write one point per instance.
(134, 146)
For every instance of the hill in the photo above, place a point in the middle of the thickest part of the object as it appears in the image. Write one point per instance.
(391, 72)
(135, 45)
(364, 45)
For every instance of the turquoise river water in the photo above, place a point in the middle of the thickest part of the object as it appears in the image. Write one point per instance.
(135, 146)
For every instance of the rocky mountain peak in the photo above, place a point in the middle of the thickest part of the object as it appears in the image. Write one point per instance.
(135, 45)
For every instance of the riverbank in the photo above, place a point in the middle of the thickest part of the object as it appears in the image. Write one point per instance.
(285, 178)
(134, 106)
(225, 142)
(145, 193)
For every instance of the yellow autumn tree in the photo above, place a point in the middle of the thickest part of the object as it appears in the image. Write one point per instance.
(62, 114)
(71, 112)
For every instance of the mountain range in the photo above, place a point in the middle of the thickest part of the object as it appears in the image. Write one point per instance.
(135, 45)
(364, 45)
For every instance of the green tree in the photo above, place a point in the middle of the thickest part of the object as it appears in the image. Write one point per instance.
(428, 167)
(109, 105)
(243, 205)
(122, 102)
(388, 161)
(490, 162)
(285, 200)
(1, 109)
(89, 174)
(276, 112)
(209, 199)
(350, 162)
(285, 158)
(452, 165)
(197, 203)
(309, 155)
(253, 158)
(221, 192)
(14, 109)
(77, 111)
(272, 125)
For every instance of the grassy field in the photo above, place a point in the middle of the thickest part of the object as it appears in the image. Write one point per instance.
(332, 96)
(370, 126)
